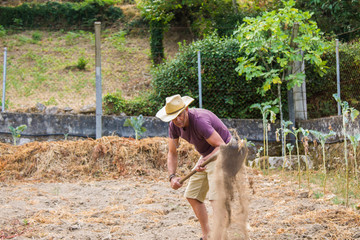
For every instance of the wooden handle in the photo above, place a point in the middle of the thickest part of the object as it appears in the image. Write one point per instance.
(212, 158)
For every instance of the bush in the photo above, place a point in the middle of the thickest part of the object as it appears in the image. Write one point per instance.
(81, 63)
(224, 92)
(60, 15)
(114, 103)
(320, 89)
(2, 31)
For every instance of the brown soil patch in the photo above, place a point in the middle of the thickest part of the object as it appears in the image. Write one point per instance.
(117, 188)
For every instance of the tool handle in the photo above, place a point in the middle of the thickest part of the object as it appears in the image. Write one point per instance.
(212, 158)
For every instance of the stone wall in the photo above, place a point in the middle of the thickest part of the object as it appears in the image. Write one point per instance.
(50, 127)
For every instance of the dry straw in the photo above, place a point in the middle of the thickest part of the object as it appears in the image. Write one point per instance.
(86, 159)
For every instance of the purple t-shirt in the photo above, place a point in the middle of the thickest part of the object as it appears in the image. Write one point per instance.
(202, 123)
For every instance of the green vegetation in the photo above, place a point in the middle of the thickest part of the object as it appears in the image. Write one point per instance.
(346, 111)
(322, 137)
(266, 109)
(60, 15)
(16, 132)
(136, 123)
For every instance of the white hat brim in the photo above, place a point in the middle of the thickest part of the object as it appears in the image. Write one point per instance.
(168, 117)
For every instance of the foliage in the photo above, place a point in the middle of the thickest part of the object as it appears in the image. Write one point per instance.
(322, 137)
(354, 140)
(224, 92)
(305, 141)
(136, 123)
(59, 15)
(2, 31)
(296, 132)
(338, 17)
(270, 48)
(267, 108)
(156, 41)
(81, 63)
(198, 16)
(346, 110)
(320, 88)
(114, 103)
(16, 132)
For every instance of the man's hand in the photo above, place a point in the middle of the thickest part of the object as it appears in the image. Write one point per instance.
(198, 167)
(175, 183)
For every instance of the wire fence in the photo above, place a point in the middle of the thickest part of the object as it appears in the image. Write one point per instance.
(58, 69)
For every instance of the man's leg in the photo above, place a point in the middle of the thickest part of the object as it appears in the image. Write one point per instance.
(200, 211)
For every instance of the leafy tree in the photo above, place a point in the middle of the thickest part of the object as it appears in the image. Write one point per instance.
(272, 42)
(335, 17)
(269, 48)
(198, 16)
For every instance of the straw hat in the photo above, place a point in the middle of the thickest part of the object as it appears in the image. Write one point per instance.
(174, 106)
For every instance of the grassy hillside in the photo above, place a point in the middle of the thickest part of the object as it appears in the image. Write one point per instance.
(45, 66)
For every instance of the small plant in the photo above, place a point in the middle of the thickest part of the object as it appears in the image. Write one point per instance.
(81, 63)
(25, 222)
(136, 123)
(305, 141)
(2, 31)
(266, 109)
(318, 195)
(36, 36)
(346, 110)
(322, 138)
(355, 142)
(284, 125)
(51, 101)
(16, 132)
(290, 147)
(295, 132)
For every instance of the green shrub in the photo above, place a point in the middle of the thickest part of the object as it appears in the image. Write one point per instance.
(60, 15)
(81, 63)
(36, 36)
(156, 41)
(224, 92)
(2, 31)
(114, 103)
(320, 89)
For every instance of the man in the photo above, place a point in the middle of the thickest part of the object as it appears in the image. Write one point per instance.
(206, 132)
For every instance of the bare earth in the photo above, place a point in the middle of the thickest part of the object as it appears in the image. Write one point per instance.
(142, 207)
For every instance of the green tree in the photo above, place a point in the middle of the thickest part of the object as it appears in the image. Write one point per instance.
(197, 16)
(333, 16)
(269, 47)
(271, 43)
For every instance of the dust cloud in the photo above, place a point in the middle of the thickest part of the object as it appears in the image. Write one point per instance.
(232, 191)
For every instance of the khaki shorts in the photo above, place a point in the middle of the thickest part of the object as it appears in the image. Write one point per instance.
(201, 183)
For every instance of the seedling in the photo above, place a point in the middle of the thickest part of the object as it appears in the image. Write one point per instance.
(322, 138)
(346, 110)
(355, 142)
(295, 132)
(136, 123)
(266, 109)
(16, 132)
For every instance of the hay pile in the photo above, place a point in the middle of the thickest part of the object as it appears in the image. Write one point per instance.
(85, 159)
